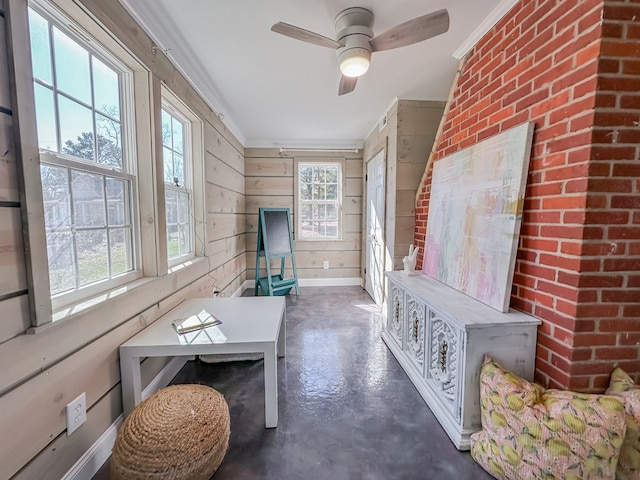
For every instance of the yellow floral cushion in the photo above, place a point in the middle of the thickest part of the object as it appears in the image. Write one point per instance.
(622, 386)
(532, 433)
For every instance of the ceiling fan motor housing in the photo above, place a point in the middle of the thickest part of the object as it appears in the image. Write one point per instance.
(353, 31)
(356, 44)
(351, 17)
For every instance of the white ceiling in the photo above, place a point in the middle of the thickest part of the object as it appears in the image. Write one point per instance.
(274, 91)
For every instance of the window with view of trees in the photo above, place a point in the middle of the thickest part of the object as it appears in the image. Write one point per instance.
(319, 201)
(178, 195)
(87, 178)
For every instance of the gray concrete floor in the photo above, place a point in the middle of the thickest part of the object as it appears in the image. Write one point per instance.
(347, 410)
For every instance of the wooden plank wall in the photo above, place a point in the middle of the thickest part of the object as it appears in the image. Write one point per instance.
(379, 139)
(409, 136)
(44, 370)
(270, 182)
(13, 282)
(417, 126)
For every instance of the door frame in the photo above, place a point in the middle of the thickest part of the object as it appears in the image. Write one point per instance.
(382, 155)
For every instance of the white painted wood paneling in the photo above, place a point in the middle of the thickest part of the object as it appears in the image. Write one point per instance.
(224, 225)
(225, 148)
(222, 200)
(45, 369)
(269, 185)
(256, 201)
(352, 205)
(94, 370)
(270, 182)
(15, 317)
(220, 173)
(269, 167)
(5, 93)
(62, 453)
(13, 275)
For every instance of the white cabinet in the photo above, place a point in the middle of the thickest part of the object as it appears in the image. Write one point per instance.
(440, 337)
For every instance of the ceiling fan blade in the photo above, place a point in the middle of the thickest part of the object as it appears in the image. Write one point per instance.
(347, 84)
(412, 31)
(304, 35)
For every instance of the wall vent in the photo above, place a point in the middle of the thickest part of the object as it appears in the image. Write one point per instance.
(383, 123)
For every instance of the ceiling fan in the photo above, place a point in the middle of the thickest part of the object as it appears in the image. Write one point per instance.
(355, 42)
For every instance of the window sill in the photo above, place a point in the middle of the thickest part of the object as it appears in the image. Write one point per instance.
(116, 298)
(187, 261)
(98, 299)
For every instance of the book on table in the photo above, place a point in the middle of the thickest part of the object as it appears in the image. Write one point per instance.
(195, 322)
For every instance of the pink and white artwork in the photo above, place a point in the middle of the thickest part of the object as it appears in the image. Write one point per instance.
(475, 211)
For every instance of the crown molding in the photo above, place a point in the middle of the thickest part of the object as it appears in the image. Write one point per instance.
(156, 22)
(487, 24)
(305, 144)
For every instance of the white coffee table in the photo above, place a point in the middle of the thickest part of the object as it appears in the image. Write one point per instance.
(249, 325)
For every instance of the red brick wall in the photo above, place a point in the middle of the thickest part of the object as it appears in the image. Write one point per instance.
(560, 65)
(610, 281)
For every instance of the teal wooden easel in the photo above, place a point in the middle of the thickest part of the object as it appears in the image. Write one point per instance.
(275, 242)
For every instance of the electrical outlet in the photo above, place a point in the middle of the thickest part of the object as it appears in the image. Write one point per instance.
(325, 264)
(76, 413)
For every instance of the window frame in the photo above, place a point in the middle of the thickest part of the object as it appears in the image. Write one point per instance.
(84, 28)
(309, 161)
(65, 299)
(128, 170)
(176, 114)
(194, 176)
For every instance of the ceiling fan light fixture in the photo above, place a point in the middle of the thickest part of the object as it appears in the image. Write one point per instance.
(355, 42)
(354, 62)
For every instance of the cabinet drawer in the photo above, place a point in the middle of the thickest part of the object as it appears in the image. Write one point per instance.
(446, 357)
(414, 331)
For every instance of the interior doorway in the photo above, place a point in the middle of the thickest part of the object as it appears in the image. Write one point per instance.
(375, 246)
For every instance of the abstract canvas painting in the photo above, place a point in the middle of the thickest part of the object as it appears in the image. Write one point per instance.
(475, 211)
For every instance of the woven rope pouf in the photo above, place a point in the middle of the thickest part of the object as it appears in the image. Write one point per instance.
(179, 433)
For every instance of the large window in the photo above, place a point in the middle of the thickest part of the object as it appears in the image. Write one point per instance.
(87, 173)
(319, 201)
(176, 155)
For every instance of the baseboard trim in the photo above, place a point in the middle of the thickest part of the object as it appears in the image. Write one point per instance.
(245, 285)
(93, 459)
(330, 282)
(89, 464)
(311, 282)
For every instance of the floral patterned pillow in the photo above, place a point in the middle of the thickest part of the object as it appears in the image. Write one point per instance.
(622, 386)
(532, 433)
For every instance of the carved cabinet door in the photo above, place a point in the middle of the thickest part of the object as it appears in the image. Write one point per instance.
(415, 331)
(445, 360)
(395, 317)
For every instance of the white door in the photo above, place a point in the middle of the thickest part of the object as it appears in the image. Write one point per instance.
(374, 261)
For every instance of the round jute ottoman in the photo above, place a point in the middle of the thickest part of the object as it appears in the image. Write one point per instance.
(179, 433)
